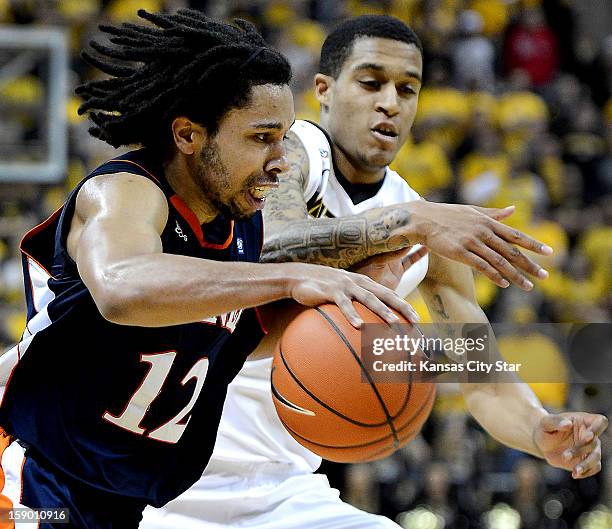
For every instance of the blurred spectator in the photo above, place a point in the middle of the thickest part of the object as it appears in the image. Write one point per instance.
(434, 21)
(484, 171)
(443, 111)
(528, 493)
(524, 188)
(531, 46)
(600, 78)
(522, 116)
(436, 492)
(360, 488)
(494, 13)
(473, 54)
(585, 146)
(548, 163)
(424, 165)
(542, 363)
(562, 21)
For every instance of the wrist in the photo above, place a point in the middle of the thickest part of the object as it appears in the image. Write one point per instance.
(419, 226)
(288, 276)
(536, 418)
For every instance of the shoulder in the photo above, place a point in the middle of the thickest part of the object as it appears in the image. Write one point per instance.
(129, 194)
(316, 152)
(313, 141)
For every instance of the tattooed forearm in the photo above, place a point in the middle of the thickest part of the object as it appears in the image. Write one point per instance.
(340, 242)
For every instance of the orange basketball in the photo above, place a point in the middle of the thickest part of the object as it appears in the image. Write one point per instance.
(326, 399)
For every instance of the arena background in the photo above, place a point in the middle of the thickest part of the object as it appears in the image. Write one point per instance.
(516, 109)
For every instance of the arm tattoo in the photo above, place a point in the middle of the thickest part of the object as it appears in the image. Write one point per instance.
(440, 307)
(337, 242)
(436, 306)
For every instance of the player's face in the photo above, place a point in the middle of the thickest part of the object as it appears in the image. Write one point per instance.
(373, 102)
(241, 163)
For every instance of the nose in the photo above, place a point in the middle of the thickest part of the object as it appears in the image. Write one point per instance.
(278, 162)
(388, 100)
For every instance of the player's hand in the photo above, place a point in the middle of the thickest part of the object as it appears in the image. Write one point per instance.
(475, 236)
(388, 268)
(572, 441)
(313, 285)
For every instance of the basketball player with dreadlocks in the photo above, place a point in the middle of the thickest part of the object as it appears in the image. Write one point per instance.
(331, 208)
(140, 289)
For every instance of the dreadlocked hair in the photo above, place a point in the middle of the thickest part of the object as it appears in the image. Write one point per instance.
(184, 64)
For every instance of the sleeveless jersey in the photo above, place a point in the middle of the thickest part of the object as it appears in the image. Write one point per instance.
(125, 409)
(250, 433)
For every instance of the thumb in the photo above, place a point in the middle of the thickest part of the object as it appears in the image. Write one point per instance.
(497, 213)
(555, 423)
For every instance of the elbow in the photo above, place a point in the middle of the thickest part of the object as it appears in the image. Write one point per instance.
(114, 298)
(113, 312)
(113, 308)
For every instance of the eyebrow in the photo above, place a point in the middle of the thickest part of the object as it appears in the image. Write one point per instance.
(267, 125)
(379, 68)
(275, 125)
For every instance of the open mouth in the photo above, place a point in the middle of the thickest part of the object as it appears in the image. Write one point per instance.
(258, 193)
(383, 131)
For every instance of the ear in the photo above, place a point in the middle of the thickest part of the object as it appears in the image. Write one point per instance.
(188, 136)
(324, 87)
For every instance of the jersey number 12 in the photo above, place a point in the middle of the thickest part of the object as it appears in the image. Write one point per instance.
(172, 430)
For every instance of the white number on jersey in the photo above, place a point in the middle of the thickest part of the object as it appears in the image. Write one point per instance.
(149, 389)
(171, 431)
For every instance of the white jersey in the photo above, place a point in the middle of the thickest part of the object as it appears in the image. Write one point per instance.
(250, 431)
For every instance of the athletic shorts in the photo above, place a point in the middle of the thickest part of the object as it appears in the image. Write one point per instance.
(34, 496)
(257, 497)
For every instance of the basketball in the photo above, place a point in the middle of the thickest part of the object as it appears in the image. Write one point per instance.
(328, 401)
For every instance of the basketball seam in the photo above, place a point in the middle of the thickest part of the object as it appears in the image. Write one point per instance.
(364, 371)
(284, 400)
(319, 401)
(401, 429)
(430, 402)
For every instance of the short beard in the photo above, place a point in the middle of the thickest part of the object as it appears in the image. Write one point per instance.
(213, 178)
(361, 160)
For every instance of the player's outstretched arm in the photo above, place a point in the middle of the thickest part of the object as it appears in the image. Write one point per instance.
(115, 241)
(505, 406)
(467, 234)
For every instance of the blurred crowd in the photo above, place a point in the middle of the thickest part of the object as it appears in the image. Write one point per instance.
(516, 108)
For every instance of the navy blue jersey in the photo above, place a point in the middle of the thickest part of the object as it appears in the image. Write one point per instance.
(125, 409)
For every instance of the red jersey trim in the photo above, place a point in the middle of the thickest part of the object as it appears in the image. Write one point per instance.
(195, 226)
(264, 329)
